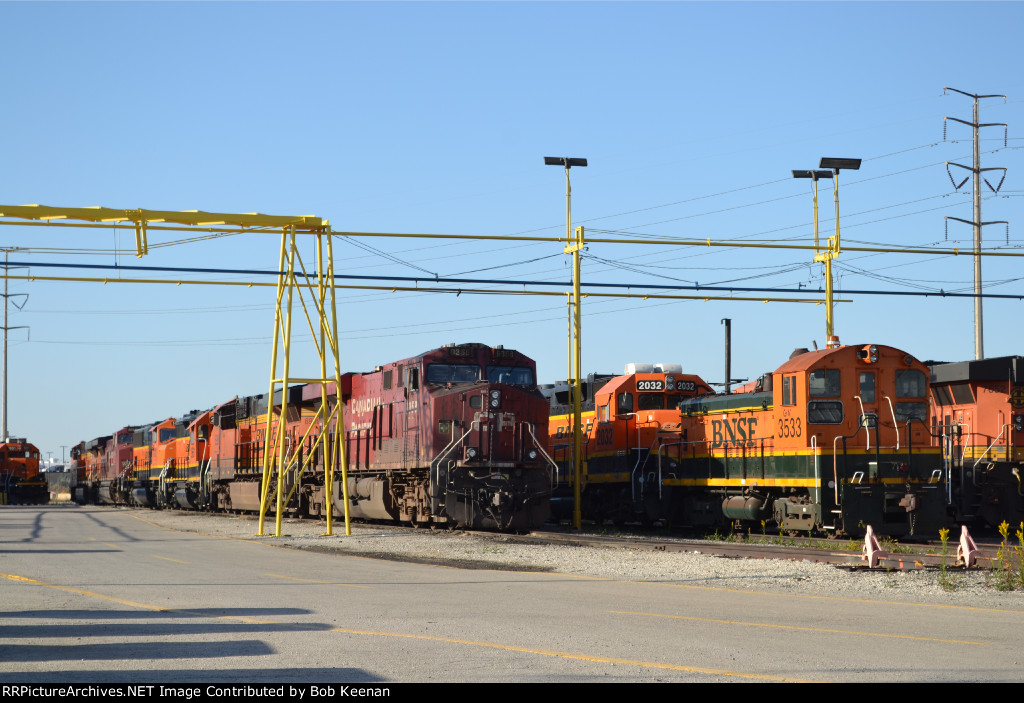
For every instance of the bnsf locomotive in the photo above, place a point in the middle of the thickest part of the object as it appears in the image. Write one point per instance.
(453, 436)
(832, 440)
(624, 422)
(20, 480)
(978, 420)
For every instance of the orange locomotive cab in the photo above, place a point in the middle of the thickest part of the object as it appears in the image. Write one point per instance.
(20, 479)
(835, 440)
(626, 425)
(978, 421)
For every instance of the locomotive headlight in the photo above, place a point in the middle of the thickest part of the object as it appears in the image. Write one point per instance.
(532, 454)
(670, 382)
(471, 453)
(495, 398)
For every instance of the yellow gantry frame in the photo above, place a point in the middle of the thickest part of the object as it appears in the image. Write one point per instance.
(276, 462)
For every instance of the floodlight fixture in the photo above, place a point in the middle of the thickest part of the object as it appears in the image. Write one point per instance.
(840, 164)
(812, 174)
(565, 161)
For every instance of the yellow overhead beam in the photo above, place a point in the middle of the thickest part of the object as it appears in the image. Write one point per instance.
(145, 217)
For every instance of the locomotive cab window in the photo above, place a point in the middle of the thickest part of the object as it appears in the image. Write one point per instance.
(650, 401)
(942, 396)
(825, 412)
(453, 373)
(512, 375)
(625, 403)
(867, 386)
(962, 393)
(605, 416)
(789, 390)
(910, 383)
(823, 383)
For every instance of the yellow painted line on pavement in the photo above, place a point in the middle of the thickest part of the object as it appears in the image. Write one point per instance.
(428, 638)
(800, 628)
(68, 589)
(176, 561)
(326, 583)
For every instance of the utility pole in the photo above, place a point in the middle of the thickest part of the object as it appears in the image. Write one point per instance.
(979, 346)
(7, 296)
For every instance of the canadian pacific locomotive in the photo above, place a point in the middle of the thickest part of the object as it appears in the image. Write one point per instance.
(452, 436)
(20, 480)
(831, 441)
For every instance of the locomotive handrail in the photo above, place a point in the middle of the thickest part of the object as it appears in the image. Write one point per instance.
(436, 461)
(530, 428)
(1004, 427)
(671, 444)
(894, 422)
(817, 469)
(835, 462)
(639, 449)
(866, 430)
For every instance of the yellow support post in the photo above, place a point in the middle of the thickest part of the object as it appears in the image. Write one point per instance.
(338, 448)
(265, 484)
(277, 464)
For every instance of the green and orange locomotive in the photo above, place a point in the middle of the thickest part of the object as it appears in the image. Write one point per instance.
(831, 441)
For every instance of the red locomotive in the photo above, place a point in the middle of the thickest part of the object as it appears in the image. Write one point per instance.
(452, 436)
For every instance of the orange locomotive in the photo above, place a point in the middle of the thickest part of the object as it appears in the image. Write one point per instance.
(625, 421)
(20, 479)
(832, 440)
(978, 420)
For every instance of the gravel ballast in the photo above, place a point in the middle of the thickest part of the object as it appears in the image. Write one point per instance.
(459, 549)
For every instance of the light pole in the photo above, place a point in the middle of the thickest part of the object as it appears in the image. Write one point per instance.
(573, 246)
(815, 176)
(833, 249)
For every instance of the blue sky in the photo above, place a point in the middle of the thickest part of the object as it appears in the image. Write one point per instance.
(434, 117)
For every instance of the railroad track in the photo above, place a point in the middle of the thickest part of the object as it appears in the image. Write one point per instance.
(843, 554)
